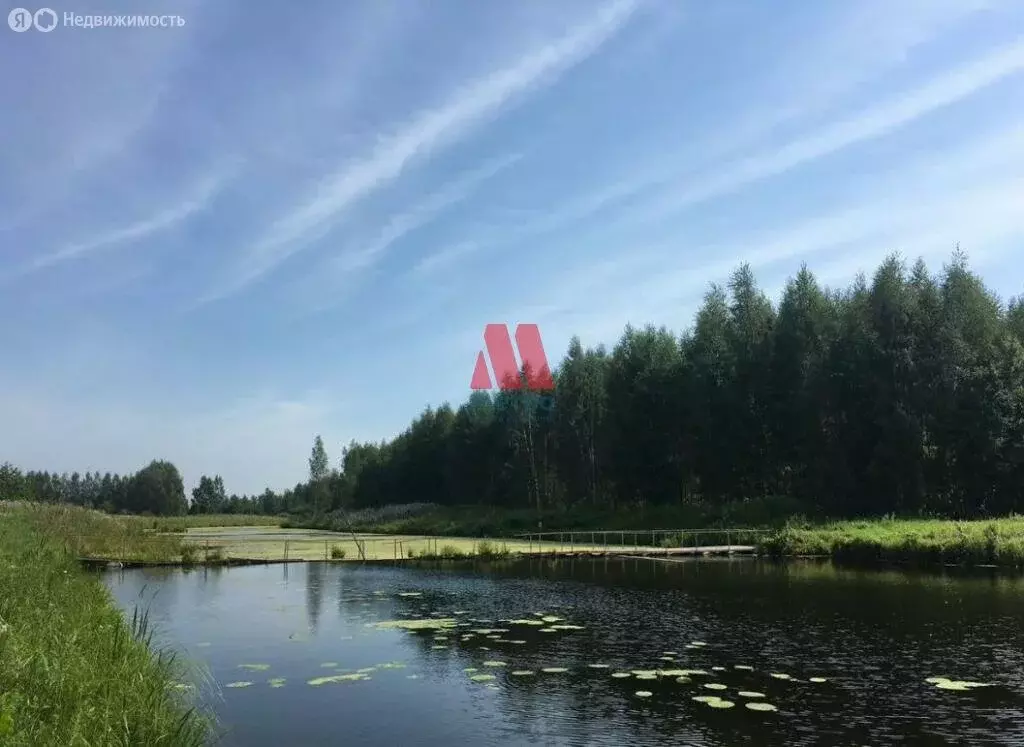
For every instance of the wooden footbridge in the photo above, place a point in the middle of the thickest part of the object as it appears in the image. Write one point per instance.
(641, 543)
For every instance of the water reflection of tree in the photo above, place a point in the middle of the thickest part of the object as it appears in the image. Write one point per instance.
(314, 594)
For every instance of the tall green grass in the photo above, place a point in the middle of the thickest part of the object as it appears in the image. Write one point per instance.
(919, 541)
(73, 671)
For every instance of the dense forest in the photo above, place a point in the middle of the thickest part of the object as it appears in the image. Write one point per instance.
(903, 394)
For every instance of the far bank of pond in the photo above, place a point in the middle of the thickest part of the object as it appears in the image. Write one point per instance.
(596, 652)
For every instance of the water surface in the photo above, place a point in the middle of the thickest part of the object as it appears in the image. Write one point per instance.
(874, 636)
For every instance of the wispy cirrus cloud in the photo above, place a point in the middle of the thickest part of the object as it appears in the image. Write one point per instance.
(427, 132)
(198, 198)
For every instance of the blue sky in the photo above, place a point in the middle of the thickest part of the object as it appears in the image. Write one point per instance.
(288, 219)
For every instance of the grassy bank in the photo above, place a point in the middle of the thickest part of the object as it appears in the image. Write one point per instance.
(72, 670)
(918, 541)
(883, 540)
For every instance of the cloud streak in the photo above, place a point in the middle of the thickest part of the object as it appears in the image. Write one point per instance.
(198, 198)
(428, 132)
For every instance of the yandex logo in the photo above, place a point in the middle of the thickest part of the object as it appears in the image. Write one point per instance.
(532, 366)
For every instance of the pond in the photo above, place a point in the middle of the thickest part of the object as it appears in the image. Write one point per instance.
(322, 673)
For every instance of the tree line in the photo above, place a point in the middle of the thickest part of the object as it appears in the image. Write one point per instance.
(899, 394)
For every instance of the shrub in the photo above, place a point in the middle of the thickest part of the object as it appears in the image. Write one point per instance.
(337, 552)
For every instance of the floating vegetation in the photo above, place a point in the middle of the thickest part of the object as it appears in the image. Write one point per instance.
(750, 694)
(548, 630)
(238, 684)
(698, 643)
(743, 667)
(647, 676)
(705, 698)
(817, 679)
(554, 670)
(643, 693)
(522, 673)
(567, 627)
(470, 670)
(482, 677)
(435, 624)
(276, 682)
(715, 686)
(351, 677)
(666, 658)
(621, 675)
(599, 666)
(756, 706)
(719, 703)
(551, 619)
(688, 672)
(943, 683)
(538, 623)
(670, 653)
(257, 667)
(410, 593)
(641, 672)
(518, 643)
(780, 676)
(495, 664)
(438, 647)
(717, 669)
(683, 680)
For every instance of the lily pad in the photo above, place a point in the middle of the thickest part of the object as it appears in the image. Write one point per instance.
(750, 694)
(719, 703)
(705, 698)
(435, 624)
(257, 667)
(621, 675)
(276, 682)
(666, 658)
(438, 647)
(548, 630)
(780, 676)
(599, 666)
(717, 669)
(495, 664)
(817, 679)
(683, 680)
(551, 619)
(554, 670)
(522, 673)
(761, 706)
(715, 686)
(482, 677)
(352, 677)
(470, 670)
(640, 672)
(743, 667)
(238, 684)
(643, 693)
(698, 643)
(670, 653)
